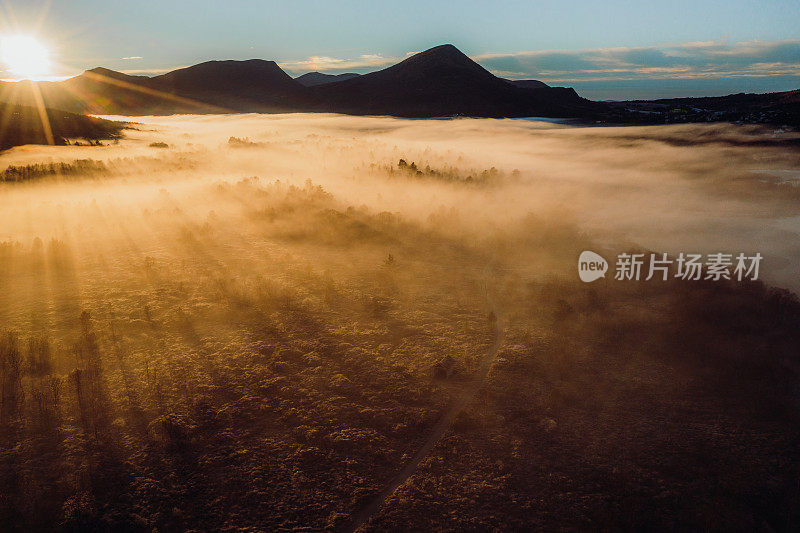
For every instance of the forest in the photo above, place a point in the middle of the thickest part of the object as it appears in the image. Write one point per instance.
(317, 322)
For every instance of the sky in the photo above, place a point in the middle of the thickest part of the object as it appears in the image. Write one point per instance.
(614, 49)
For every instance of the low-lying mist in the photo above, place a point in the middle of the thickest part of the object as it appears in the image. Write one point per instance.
(690, 188)
(317, 322)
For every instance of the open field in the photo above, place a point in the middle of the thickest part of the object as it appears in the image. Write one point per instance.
(250, 321)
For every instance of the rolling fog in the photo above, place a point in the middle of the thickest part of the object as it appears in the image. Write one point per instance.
(219, 317)
(691, 188)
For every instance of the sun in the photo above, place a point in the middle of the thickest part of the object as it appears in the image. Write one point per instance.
(24, 56)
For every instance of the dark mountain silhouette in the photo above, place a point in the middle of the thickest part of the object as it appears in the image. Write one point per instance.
(212, 87)
(105, 91)
(252, 85)
(528, 84)
(113, 74)
(443, 81)
(101, 91)
(311, 79)
(781, 108)
(439, 81)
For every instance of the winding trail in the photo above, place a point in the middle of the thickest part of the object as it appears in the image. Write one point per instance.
(442, 426)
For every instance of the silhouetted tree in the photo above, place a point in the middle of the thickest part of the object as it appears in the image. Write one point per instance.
(11, 392)
(87, 380)
(39, 359)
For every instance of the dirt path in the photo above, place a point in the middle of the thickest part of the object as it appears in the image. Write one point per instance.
(438, 431)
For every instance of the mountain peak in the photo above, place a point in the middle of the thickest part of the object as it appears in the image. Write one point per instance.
(102, 70)
(440, 60)
(237, 62)
(245, 75)
(224, 66)
(443, 49)
(108, 73)
(439, 81)
(442, 52)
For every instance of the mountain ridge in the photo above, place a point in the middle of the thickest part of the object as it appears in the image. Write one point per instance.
(443, 81)
(440, 81)
(310, 79)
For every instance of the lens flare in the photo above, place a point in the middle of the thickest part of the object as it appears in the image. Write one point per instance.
(24, 56)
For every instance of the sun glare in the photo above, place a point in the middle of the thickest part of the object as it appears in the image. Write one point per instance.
(24, 56)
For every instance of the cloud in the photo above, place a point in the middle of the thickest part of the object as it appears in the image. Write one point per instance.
(326, 63)
(692, 60)
(697, 60)
(151, 71)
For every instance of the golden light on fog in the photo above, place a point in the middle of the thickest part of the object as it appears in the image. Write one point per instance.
(25, 57)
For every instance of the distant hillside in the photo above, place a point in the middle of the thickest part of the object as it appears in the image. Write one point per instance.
(439, 81)
(781, 108)
(106, 92)
(253, 85)
(310, 79)
(443, 81)
(212, 87)
(528, 84)
(24, 125)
